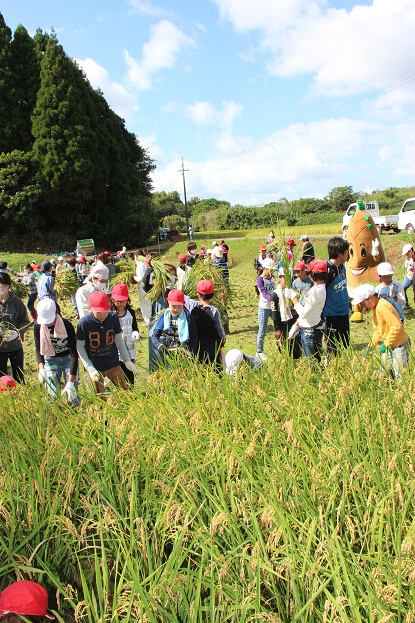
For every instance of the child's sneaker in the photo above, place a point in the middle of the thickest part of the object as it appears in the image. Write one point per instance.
(261, 356)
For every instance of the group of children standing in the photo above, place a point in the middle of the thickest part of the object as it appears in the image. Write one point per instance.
(315, 304)
(309, 306)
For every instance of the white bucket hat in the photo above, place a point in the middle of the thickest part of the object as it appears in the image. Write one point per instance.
(385, 268)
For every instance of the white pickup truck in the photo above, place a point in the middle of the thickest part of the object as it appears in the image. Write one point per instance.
(383, 223)
(406, 216)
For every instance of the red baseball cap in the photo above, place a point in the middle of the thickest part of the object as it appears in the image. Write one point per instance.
(299, 266)
(263, 247)
(182, 257)
(120, 292)
(318, 266)
(99, 301)
(205, 287)
(6, 383)
(26, 598)
(176, 297)
(290, 242)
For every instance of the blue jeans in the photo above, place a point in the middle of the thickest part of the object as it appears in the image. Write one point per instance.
(16, 361)
(75, 308)
(57, 368)
(263, 317)
(406, 284)
(397, 358)
(31, 302)
(311, 342)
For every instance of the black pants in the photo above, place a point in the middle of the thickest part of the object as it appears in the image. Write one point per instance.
(16, 361)
(338, 333)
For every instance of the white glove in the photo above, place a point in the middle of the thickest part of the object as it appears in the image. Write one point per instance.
(131, 367)
(42, 376)
(135, 336)
(70, 391)
(94, 375)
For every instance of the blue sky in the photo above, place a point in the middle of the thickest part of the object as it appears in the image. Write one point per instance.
(262, 99)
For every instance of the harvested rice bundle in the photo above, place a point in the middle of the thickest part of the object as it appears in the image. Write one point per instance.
(66, 284)
(162, 274)
(223, 291)
(20, 289)
(125, 266)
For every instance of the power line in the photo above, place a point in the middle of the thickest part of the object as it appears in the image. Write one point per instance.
(387, 87)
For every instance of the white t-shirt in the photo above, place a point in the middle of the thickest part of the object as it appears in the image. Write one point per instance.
(311, 306)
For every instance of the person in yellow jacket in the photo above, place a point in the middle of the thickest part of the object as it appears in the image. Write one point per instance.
(387, 326)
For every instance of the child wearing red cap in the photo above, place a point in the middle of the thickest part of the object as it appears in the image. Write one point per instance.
(301, 282)
(120, 303)
(210, 330)
(310, 310)
(24, 601)
(175, 328)
(99, 340)
(182, 271)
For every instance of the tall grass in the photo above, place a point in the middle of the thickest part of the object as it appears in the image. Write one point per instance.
(286, 495)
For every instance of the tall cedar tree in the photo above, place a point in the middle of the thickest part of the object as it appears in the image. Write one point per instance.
(26, 79)
(63, 137)
(6, 96)
(67, 163)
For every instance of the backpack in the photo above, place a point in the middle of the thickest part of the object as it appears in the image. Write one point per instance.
(147, 285)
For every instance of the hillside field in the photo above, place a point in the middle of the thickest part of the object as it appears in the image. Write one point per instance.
(284, 495)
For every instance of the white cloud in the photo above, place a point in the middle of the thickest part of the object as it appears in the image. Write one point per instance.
(117, 96)
(304, 160)
(160, 52)
(148, 8)
(347, 51)
(204, 113)
(150, 142)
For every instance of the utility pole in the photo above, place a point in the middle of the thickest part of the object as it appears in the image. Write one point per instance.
(182, 170)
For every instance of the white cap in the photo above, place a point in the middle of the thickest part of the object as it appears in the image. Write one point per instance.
(214, 243)
(304, 237)
(406, 247)
(61, 258)
(362, 292)
(46, 311)
(268, 263)
(218, 252)
(385, 268)
(233, 360)
(100, 271)
(280, 272)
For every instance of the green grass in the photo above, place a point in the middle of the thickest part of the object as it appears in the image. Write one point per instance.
(286, 495)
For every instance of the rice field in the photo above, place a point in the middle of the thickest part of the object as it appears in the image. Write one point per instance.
(284, 495)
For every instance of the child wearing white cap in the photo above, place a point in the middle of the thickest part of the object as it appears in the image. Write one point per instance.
(56, 354)
(265, 284)
(390, 289)
(235, 357)
(387, 326)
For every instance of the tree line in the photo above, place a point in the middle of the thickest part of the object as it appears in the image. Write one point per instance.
(69, 168)
(213, 214)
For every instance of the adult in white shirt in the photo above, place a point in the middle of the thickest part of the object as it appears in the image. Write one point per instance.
(97, 280)
(309, 311)
(140, 271)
